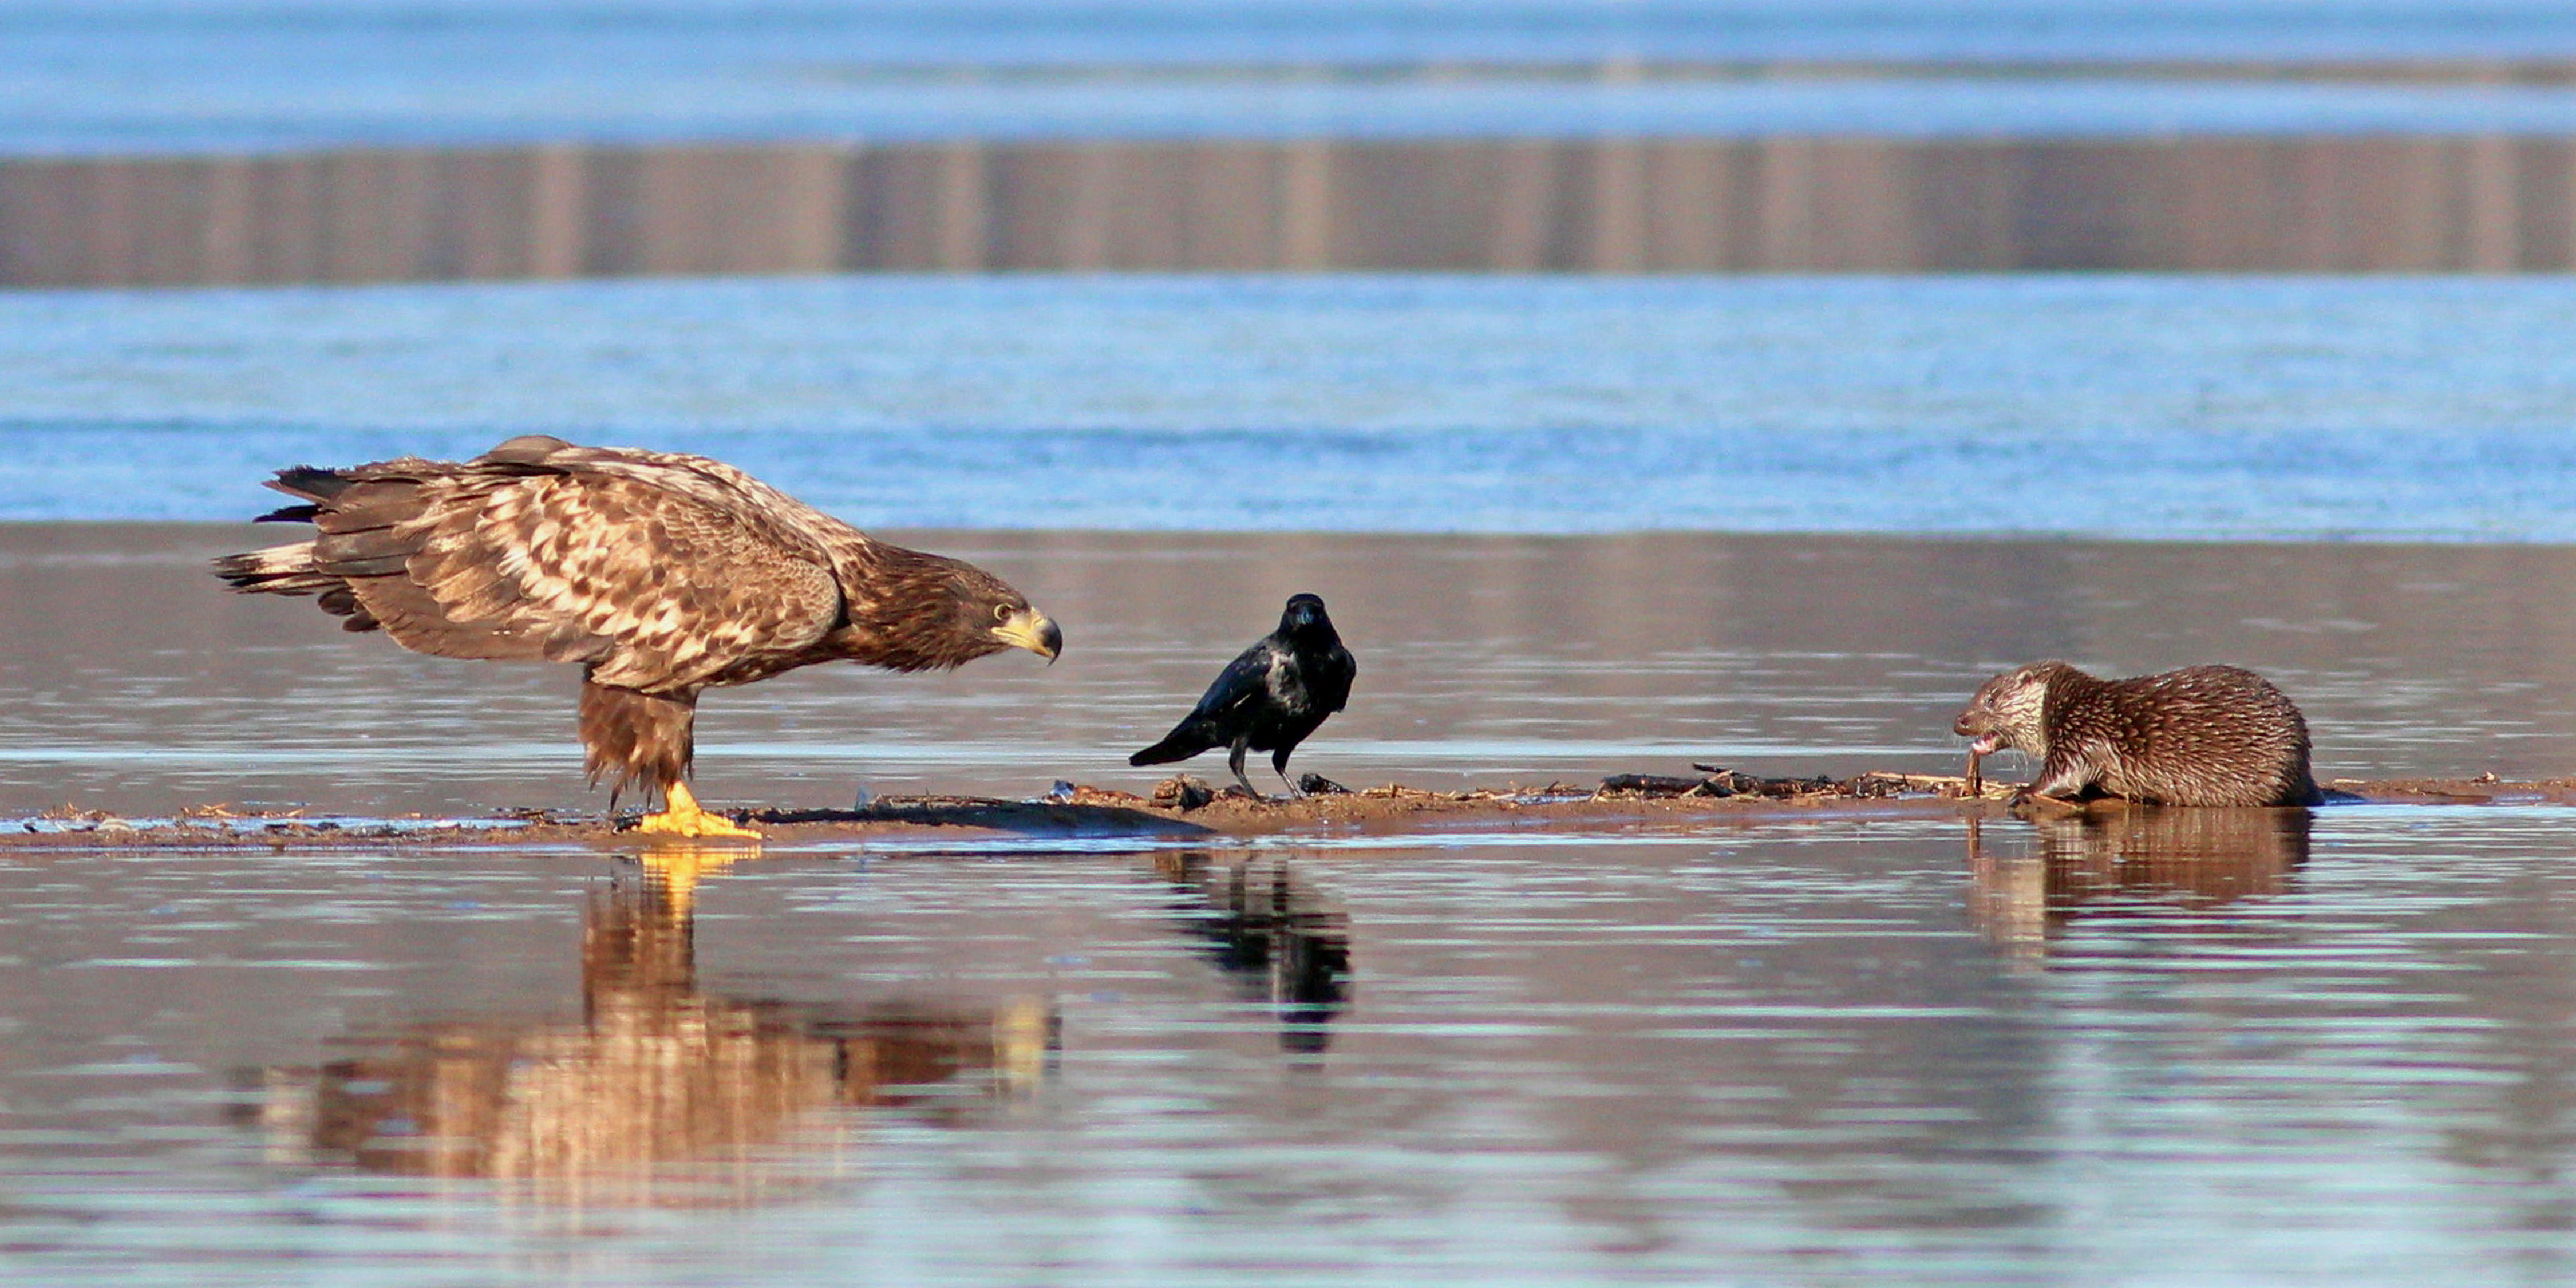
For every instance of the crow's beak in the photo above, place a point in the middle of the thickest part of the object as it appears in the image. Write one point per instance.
(1031, 630)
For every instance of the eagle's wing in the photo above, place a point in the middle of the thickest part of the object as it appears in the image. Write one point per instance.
(645, 571)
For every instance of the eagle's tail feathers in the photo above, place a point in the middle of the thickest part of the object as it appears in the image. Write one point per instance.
(311, 482)
(277, 570)
(378, 551)
(288, 570)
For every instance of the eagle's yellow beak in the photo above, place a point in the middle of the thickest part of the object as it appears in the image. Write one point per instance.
(1031, 630)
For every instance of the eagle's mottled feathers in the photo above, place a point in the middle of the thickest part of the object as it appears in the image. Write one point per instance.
(660, 574)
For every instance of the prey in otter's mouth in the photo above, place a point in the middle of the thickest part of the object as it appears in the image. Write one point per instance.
(1977, 752)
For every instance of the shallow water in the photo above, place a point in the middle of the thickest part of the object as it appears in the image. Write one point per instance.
(135, 683)
(487, 106)
(2253, 1049)
(2190, 407)
(2202, 1045)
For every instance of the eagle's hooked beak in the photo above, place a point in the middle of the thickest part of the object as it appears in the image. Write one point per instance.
(1030, 629)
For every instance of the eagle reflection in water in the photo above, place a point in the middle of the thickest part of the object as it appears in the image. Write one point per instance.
(662, 1093)
(2130, 859)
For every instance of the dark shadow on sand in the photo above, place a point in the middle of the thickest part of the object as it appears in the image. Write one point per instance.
(1032, 818)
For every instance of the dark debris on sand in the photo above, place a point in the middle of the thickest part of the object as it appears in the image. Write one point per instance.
(1178, 807)
(1717, 783)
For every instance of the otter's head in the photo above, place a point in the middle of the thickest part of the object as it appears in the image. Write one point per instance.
(2007, 710)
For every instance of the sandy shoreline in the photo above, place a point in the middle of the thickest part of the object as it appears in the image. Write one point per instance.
(1093, 814)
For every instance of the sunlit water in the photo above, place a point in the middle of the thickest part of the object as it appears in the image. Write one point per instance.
(2178, 1047)
(198, 75)
(2190, 408)
(2247, 1049)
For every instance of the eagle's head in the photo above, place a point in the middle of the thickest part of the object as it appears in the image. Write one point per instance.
(911, 611)
(998, 617)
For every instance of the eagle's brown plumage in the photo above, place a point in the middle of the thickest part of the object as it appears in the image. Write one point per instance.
(660, 574)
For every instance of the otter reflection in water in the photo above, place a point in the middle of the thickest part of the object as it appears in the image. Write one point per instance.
(1272, 935)
(2121, 857)
(657, 1074)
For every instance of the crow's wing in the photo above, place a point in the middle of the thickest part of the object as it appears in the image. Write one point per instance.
(1330, 680)
(1243, 685)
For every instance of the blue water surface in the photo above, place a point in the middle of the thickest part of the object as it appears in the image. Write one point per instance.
(87, 76)
(2128, 407)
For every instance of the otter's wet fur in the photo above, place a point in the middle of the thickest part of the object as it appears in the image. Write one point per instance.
(2202, 735)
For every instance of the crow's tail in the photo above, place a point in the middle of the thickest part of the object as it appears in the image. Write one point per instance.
(1179, 744)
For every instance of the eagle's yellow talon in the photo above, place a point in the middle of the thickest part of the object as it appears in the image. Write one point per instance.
(698, 826)
(682, 816)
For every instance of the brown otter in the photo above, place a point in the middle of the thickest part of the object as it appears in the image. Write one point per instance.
(2203, 735)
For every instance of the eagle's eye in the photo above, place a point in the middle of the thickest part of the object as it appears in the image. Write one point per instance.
(1001, 612)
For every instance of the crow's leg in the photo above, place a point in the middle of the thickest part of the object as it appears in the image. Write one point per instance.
(1235, 763)
(1280, 766)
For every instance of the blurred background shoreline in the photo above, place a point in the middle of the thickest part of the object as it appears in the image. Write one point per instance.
(2366, 203)
(188, 142)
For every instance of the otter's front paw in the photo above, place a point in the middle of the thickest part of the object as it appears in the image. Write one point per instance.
(2027, 804)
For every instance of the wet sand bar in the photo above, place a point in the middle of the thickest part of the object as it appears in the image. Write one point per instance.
(2274, 204)
(136, 684)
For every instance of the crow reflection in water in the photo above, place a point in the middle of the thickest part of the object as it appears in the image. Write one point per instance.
(1269, 698)
(1272, 936)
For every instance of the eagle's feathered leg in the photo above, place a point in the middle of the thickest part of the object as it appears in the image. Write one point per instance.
(1234, 762)
(649, 740)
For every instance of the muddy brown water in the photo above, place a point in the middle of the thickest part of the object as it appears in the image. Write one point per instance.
(2284, 1046)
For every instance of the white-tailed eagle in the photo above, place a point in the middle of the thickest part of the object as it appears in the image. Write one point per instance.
(660, 575)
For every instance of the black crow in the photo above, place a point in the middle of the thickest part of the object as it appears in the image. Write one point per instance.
(1270, 698)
